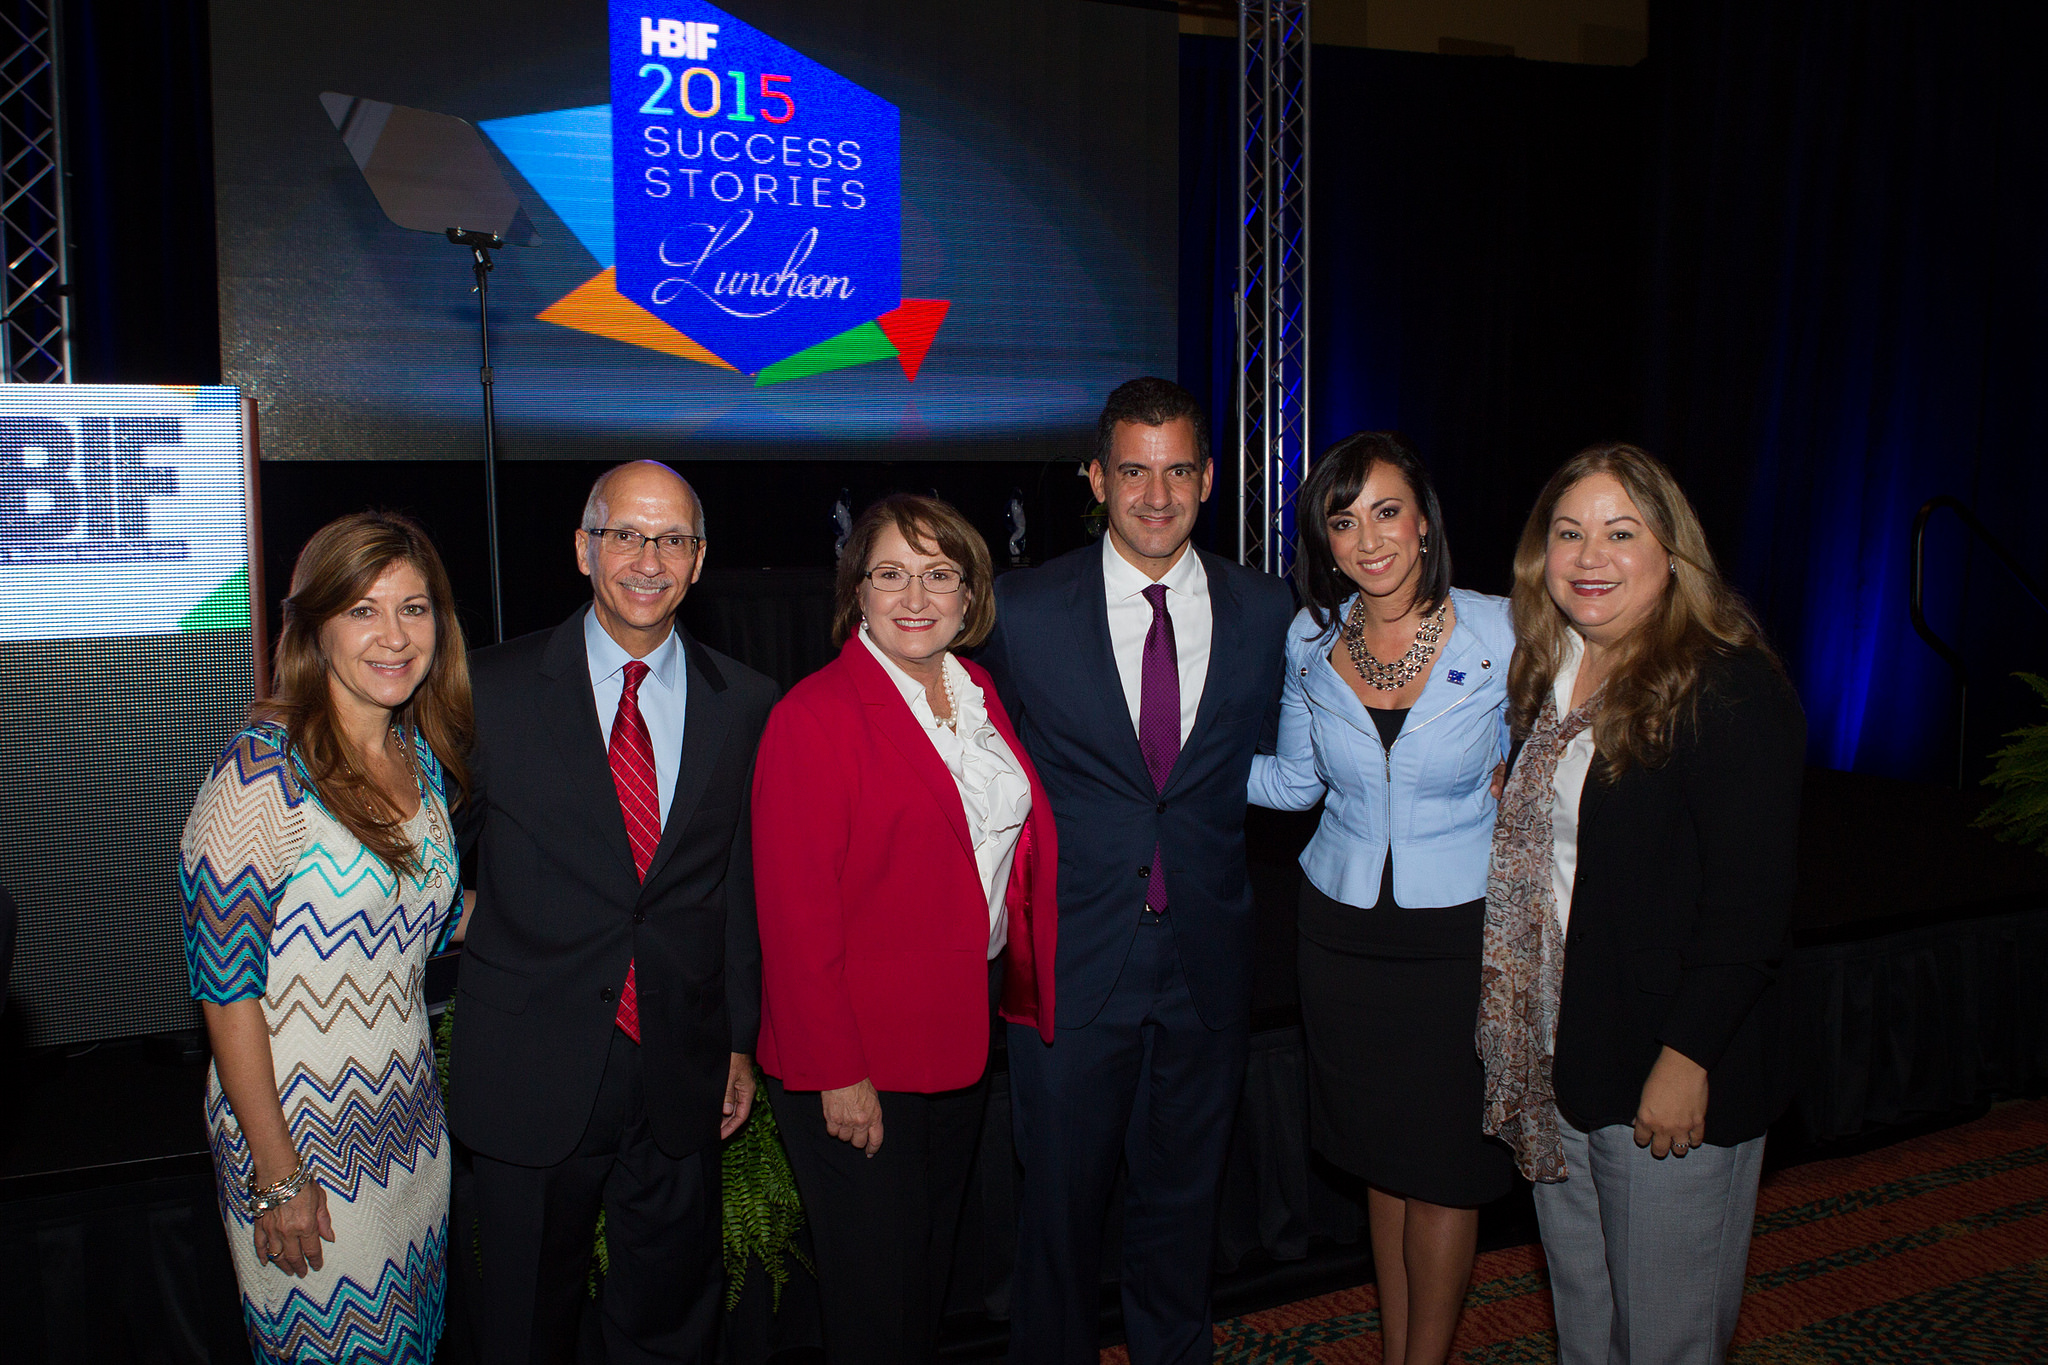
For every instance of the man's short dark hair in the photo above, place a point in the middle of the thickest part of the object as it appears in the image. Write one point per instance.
(1153, 402)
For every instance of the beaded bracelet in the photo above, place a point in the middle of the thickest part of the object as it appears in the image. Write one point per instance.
(276, 1196)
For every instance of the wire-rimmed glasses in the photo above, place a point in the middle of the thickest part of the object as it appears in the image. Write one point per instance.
(627, 541)
(889, 578)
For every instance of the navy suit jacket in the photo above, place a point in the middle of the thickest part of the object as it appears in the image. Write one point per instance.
(1054, 668)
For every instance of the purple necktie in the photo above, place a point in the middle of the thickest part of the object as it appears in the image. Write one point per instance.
(1159, 719)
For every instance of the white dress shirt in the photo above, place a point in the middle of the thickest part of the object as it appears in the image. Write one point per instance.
(1568, 785)
(1130, 618)
(664, 696)
(994, 793)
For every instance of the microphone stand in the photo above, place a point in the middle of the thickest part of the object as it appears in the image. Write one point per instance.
(481, 245)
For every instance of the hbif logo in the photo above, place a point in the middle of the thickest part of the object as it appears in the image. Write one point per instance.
(79, 491)
(672, 38)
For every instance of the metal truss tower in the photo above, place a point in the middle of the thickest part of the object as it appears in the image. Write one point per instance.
(35, 301)
(1272, 276)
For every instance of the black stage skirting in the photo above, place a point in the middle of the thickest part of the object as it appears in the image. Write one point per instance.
(1920, 949)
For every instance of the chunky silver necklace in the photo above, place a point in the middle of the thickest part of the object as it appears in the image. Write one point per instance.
(1385, 677)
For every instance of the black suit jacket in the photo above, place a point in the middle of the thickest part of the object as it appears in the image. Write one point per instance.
(1054, 667)
(560, 912)
(1680, 908)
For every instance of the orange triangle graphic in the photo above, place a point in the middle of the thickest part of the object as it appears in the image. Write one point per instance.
(597, 307)
(910, 330)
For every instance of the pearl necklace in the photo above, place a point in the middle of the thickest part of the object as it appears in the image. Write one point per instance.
(1392, 677)
(951, 720)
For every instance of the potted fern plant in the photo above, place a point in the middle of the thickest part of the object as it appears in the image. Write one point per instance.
(2020, 775)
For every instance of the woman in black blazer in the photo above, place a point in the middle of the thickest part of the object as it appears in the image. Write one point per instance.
(1636, 912)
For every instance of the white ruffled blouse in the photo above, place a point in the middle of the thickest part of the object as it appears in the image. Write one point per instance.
(994, 793)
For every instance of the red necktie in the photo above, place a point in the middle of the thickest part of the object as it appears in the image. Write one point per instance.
(632, 755)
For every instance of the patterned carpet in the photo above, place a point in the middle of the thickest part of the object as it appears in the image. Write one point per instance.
(1933, 1250)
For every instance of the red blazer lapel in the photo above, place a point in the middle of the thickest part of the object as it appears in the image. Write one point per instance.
(891, 717)
(1032, 896)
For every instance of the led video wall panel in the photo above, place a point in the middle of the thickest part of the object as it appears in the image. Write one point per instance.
(764, 228)
(126, 661)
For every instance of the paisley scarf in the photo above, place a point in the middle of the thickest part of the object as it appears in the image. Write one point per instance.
(1522, 962)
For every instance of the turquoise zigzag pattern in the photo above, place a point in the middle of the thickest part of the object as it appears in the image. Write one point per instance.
(395, 1323)
(343, 878)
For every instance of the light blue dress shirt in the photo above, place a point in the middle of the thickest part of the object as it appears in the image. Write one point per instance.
(664, 696)
(1425, 800)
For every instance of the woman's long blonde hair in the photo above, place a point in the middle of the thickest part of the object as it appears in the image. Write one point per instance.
(343, 561)
(1653, 687)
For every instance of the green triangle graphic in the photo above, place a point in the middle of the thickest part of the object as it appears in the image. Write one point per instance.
(857, 347)
(225, 608)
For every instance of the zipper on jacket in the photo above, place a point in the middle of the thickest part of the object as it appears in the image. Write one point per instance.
(1387, 755)
(1405, 731)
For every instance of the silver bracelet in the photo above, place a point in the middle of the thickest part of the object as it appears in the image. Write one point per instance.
(276, 1196)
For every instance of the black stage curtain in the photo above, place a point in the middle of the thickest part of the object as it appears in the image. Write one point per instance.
(138, 108)
(1849, 314)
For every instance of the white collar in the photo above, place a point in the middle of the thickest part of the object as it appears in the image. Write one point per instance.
(607, 656)
(1123, 579)
(913, 690)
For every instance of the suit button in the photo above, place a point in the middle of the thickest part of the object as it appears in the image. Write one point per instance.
(1162, 808)
(605, 994)
(1145, 871)
(639, 917)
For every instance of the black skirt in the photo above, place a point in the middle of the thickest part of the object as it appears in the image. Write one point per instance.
(1389, 1001)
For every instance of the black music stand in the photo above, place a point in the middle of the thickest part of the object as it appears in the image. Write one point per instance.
(432, 173)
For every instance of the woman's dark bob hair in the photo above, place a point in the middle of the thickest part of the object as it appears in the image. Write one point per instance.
(922, 522)
(1333, 485)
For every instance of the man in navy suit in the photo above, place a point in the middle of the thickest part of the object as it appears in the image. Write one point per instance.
(1139, 674)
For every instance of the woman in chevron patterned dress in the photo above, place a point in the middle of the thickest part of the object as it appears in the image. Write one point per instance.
(319, 872)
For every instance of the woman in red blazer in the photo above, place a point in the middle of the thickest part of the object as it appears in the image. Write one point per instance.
(904, 860)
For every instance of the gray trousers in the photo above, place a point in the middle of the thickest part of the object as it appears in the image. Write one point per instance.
(1647, 1256)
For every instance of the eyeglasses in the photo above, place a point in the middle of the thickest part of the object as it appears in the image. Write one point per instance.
(891, 579)
(626, 541)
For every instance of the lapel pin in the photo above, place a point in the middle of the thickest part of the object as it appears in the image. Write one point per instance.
(1457, 675)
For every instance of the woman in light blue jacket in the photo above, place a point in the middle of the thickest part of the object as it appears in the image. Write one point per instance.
(1394, 716)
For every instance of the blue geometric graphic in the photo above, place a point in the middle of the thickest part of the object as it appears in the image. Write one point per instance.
(757, 195)
(566, 155)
